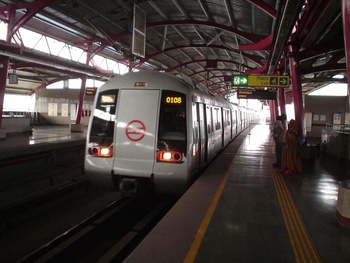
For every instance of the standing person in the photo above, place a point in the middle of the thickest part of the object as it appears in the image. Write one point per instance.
(291, 160)
(279, 130)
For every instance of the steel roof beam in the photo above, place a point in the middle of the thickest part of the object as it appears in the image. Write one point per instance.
(116, 37)
(205, 10)
(230, 13)
(181, 34)
(199, 34)
(317, 21)
(181, 9)
(166, 18)
(159, 11)
(143, 60)
(248, 36)
(61, 25)
(205, 71)
(22, 65)
(32, 9)
(123, 5)
(264, 7)
(289, 14)
(201, 61)
(63, 64)
(99, 14)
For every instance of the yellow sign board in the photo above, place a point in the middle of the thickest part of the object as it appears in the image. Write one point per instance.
(260, 81)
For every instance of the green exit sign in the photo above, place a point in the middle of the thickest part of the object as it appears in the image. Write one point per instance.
(275, 81)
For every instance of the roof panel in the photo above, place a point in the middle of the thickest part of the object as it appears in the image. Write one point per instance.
(107, 22)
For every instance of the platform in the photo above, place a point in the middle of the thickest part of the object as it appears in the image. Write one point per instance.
(242, 210)
(41, 138)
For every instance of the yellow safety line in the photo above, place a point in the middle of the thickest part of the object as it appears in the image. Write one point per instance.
(303, 247)
(192, 252)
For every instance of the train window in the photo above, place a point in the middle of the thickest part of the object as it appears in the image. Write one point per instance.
(102, 128)
(172, 121)
(228, 117)
(216, 117)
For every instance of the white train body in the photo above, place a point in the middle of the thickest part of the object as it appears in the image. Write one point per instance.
(150, 128)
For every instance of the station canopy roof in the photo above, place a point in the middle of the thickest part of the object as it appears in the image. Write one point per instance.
(207, 40)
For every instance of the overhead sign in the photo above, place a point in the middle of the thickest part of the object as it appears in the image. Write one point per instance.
(90, 91)
(139, 32)
(13, 78)
(256, 94)
(275, 81)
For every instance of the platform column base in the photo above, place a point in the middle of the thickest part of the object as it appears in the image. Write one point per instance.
(343, 203)
(77, 127)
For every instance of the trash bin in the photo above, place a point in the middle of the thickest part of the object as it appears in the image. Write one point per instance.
(343, 203)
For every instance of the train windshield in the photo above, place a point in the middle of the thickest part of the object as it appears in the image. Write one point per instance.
(102, 128)
(172, 122)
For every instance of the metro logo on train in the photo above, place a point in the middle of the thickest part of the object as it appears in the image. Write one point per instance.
(260, 81)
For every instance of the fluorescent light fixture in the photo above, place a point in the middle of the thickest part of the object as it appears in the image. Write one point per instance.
(338, 76)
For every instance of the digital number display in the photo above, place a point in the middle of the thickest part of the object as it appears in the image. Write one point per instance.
(173, 100)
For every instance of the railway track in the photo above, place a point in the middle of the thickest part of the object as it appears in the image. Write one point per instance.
(36, 173)
(107, 236)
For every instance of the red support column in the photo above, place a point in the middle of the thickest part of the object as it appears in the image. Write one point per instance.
(4, 62)
(81, 99)
(281, 98)
(82, 94)
(273, 112)
(345, 7)
(297, 88)
(282, 101)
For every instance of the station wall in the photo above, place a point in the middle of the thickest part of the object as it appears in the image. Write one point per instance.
(322, 111)
(59, 106)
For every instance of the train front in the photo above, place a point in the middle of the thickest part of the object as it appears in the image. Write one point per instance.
(137, 136)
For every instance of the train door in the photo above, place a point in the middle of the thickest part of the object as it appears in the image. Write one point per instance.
(202, 135)
(134, 148)
(196, 137)
(224, 135)
(234, 123)
(210, 132)
(227, 126)
(239, 121)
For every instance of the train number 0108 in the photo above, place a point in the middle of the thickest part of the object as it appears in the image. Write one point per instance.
(173, 100)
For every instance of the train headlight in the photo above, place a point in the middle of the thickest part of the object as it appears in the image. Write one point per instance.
(101, 151)
(169, 156)
(105, 151)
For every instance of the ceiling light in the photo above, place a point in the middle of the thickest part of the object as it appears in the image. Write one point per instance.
(338, 76)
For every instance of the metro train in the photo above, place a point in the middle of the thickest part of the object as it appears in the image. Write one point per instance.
(154, 129)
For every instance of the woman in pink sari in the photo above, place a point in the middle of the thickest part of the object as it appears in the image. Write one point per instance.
(291, 162)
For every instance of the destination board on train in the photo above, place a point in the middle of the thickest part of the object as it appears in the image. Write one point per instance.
(275, 81)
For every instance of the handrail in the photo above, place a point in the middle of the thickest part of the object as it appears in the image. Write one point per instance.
(16, 114)
(339, 128)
